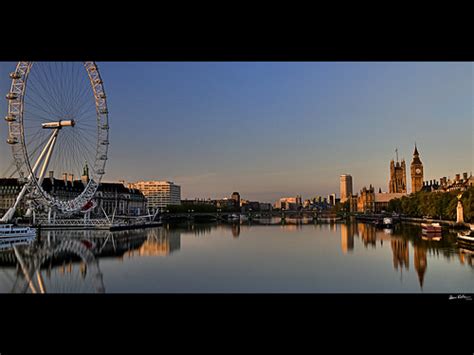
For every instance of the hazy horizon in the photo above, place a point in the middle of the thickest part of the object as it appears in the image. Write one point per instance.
(275, 129)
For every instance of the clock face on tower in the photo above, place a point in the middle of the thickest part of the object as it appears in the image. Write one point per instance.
(418, 171)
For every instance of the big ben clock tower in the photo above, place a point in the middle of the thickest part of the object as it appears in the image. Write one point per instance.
(416, 172)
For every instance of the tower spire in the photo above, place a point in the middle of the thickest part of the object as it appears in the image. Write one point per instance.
(396, 152)
(416, 151)
(85, 171)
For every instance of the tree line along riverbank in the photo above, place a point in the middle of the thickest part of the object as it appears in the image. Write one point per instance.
(435, 205)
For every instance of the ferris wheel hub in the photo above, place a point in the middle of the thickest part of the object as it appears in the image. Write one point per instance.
(59, 124)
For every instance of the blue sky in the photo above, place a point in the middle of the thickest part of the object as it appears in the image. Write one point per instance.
(271, 129)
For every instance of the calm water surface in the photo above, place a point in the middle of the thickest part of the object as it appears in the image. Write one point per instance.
(296, 257)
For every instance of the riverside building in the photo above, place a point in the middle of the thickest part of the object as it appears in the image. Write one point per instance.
(159, 194)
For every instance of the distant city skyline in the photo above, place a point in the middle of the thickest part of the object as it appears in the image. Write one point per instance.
(269, 130)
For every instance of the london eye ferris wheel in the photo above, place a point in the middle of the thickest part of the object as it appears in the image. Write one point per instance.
(57, 122)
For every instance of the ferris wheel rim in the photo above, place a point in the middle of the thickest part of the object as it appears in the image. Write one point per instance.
(15, 118)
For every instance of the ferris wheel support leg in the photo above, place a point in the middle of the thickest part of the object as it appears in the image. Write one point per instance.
(24, 269)
(40, 280)
(48, 148)
(53, 139)
(11, 211)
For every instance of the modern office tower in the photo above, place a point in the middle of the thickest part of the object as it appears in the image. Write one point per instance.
(346, 187)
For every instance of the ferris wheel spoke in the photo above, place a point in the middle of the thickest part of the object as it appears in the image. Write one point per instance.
(87, 111)
(86, 153)
(35, 110)
(85, 108)
(83, 101)
(74, 88)
(68, 88)
(33, 103)
(40, 145)
(54, 89)
(77, 148)
(90, 123)
(34, 90)
(69, 153)
(34, 153)
(45, 81)
(85, 143)
(74, 153)
(58, 162)
(70, 91)
(33, 116)
(84, 93)
(51, 104)
(62, 91)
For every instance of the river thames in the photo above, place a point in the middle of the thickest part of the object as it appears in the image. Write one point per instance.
(241, 258)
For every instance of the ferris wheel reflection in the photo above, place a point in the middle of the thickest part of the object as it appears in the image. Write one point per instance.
(68, 261)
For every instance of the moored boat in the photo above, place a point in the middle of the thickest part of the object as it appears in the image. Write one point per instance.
(11, 231)
(12, 235)
(466, 237)
(388, 222)
(431, 228)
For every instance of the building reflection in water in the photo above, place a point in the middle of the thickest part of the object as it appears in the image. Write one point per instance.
(69, 261)
(197, 229)
(367, 233)
(235, 230)
(400, 253)
(159, 242)
(466, 255)
(287, 227)
(347, 237)
(420, 262)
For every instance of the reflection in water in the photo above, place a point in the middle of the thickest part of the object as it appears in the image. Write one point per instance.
(347, 237)
(159, 242)
(466, 255)
(367, 232)
(400, 239)
(400, 253)
(291, 227)
(61, 261)
(420, 262)
(235, 230)
(57, 266)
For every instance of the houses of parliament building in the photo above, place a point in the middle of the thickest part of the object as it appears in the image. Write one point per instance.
(398, 176)
(370, 200)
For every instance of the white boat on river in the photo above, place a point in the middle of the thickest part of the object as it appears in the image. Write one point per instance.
(466, 237)
(10, 234)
